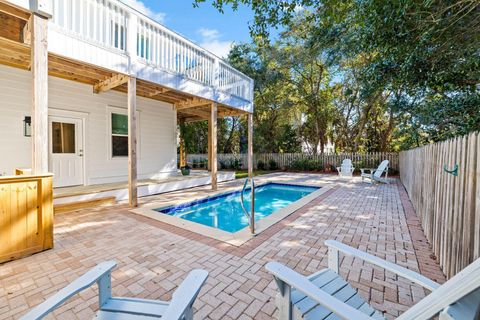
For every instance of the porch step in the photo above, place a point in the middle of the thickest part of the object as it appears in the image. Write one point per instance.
(79, 205)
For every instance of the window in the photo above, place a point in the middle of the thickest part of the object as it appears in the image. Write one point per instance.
(63, 137)
(119, 135)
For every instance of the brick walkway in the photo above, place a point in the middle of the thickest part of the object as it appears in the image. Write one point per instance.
(154, 258)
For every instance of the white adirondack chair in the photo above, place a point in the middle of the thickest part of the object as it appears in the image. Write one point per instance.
(346, 168)
(376, 174)
(180, 307)
(326, 295)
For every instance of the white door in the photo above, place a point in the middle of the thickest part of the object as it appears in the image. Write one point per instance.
(66, 151)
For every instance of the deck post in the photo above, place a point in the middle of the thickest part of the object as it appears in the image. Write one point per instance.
(132, 142)
(250, 145)
(250, 171)
(209, 155)
(39, 67)
(183, 154)
(213, 144)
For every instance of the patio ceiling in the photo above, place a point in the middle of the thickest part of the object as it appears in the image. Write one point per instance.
(15, 52)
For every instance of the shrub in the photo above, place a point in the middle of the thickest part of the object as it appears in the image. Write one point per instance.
(235, 164)
(260, 165)
(194, 163)
(223, 165)
(307, 165)
(272, 165)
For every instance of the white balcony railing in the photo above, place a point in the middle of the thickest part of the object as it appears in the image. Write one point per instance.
(108, 23)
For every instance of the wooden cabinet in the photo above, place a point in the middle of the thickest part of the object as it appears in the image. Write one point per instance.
(26, 215)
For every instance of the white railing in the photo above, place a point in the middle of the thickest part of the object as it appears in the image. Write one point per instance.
(108, 23)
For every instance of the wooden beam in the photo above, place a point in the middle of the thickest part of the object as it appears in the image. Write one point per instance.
(27, 38)
(213, 120)
(192, 103)
(14, 11)
(110, 83)
(39, 65)
(157, 92)
(132, 141)
(201, 113)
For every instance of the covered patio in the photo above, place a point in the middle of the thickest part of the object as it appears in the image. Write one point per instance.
(154, 257)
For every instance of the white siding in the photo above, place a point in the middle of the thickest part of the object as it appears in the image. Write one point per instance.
(157, 127)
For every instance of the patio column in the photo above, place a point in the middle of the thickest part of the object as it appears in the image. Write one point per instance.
(132, 142)
(250, 145)
(39, 68)
(213, 144)
(209, 160)
(183, 154)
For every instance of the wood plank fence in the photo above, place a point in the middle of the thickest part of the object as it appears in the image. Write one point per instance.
(287, 160)
(448, 206)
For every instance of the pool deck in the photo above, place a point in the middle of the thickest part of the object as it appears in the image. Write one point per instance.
(154, 257)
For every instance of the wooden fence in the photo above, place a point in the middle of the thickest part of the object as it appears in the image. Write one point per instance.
(26, 215)
(448, 206)
(287, 160)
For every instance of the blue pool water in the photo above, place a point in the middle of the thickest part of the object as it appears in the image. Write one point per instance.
(225, 212)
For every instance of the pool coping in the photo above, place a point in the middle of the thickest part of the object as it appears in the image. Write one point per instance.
(236, 238)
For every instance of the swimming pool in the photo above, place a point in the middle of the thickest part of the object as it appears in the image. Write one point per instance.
(224, 211)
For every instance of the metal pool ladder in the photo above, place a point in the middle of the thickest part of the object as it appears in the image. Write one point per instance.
(251, 215)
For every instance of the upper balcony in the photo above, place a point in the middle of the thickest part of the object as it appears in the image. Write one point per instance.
(113, 36)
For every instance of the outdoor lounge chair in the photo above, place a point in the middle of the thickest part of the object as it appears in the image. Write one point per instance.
(346, 169)
(326, 295)
(376, 174)
(180, 307)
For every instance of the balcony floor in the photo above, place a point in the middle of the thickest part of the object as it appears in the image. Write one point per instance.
(154, 258)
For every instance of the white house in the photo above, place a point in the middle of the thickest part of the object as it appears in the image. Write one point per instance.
(92, 91)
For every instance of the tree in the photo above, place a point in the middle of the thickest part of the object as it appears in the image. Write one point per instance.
(410, 66)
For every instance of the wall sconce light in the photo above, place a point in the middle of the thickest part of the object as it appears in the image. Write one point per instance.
(27, 126)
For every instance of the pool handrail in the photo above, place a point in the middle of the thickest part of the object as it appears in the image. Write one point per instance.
(250, 216)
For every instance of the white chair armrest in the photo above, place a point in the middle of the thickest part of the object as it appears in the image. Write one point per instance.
(401, 271)
(85, 281)
(185, 294)
(304, 285)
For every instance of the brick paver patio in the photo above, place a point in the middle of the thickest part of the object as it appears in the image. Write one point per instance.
(154, 258)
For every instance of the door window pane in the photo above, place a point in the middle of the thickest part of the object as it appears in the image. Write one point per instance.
(63, 137)
(119, 124)
(119, 146)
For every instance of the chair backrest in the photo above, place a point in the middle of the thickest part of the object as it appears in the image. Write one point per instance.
(454, 290)
(346, 165)
(381, 168)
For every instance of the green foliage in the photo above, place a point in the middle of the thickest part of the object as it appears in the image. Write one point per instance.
(260, 165)
(369, 75)
(272, 165)
(306, 164)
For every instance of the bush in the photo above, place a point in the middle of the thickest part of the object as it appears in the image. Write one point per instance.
(272, 165)
(307, 165)
(260, 165)
(235, 164)
(194, 163)
(223, 165)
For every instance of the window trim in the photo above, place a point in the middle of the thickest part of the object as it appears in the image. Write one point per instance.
(123, 111)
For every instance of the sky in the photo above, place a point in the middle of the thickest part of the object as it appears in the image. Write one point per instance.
(204, 25)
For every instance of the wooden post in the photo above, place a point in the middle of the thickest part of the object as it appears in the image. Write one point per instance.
(183, 154)
(250, 145)
(132, 142)
(250, 171)
(209, 160)
(39, 66)
(213, 144)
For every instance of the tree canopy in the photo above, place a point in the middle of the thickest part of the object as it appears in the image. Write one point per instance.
(367, 75)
